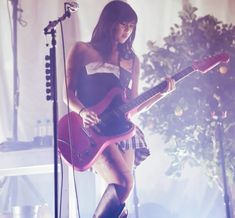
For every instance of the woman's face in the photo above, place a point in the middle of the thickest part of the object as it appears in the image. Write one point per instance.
(123, 31)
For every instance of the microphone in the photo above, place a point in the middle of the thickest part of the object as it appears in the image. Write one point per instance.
(71, 6)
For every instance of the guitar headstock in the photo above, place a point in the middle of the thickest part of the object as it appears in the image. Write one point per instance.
(210, 62)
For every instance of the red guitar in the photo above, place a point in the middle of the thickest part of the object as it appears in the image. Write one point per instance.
(81, 146)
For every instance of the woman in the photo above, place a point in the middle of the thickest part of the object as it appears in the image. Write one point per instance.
(95, 68)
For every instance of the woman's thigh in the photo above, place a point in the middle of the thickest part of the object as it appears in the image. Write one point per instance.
(115, 166)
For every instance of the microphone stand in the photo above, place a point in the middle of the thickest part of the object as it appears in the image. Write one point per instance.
(219, 116)
(51, 92)
(135, 197)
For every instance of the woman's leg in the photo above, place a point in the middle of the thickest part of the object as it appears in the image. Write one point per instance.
(116, 169)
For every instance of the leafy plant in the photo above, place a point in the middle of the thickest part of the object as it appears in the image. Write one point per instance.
(184, 118)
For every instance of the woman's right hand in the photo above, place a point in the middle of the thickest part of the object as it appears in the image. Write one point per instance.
(90, 118)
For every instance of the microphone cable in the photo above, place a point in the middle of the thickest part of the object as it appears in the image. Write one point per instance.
(69, 126)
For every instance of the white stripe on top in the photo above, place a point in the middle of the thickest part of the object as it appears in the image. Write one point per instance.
(98, 67)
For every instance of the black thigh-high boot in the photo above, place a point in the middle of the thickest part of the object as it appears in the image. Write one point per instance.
(109, 205)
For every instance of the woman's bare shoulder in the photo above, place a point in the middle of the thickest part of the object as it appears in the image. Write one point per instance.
(80, 46)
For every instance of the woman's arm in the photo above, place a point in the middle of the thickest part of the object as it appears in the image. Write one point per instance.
(74, 62)
(135, 86)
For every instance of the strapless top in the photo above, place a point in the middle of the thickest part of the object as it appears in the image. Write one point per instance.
(97, 79)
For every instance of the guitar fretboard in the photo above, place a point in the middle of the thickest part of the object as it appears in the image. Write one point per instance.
(153, 91)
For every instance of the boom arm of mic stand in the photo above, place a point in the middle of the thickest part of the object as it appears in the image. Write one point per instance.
(52, 24)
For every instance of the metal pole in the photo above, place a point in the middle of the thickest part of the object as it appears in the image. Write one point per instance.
(15, 70)
(135, 197)
(219, 116)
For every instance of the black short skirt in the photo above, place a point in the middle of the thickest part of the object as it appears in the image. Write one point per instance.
(138, 143)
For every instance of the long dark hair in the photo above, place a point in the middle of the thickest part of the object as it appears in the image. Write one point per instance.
(113, 13)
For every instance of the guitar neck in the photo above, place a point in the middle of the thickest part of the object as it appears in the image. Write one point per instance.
(134, 103)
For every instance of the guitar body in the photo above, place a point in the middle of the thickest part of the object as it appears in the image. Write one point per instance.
(80, 146)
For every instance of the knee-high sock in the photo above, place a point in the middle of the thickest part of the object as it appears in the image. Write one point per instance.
(109, 205)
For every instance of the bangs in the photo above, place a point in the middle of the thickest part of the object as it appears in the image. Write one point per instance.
(127, 14)
(118, 11)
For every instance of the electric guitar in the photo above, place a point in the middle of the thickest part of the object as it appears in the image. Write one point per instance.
(80, 146)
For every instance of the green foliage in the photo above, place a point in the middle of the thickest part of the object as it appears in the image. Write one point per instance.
(184, 117)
